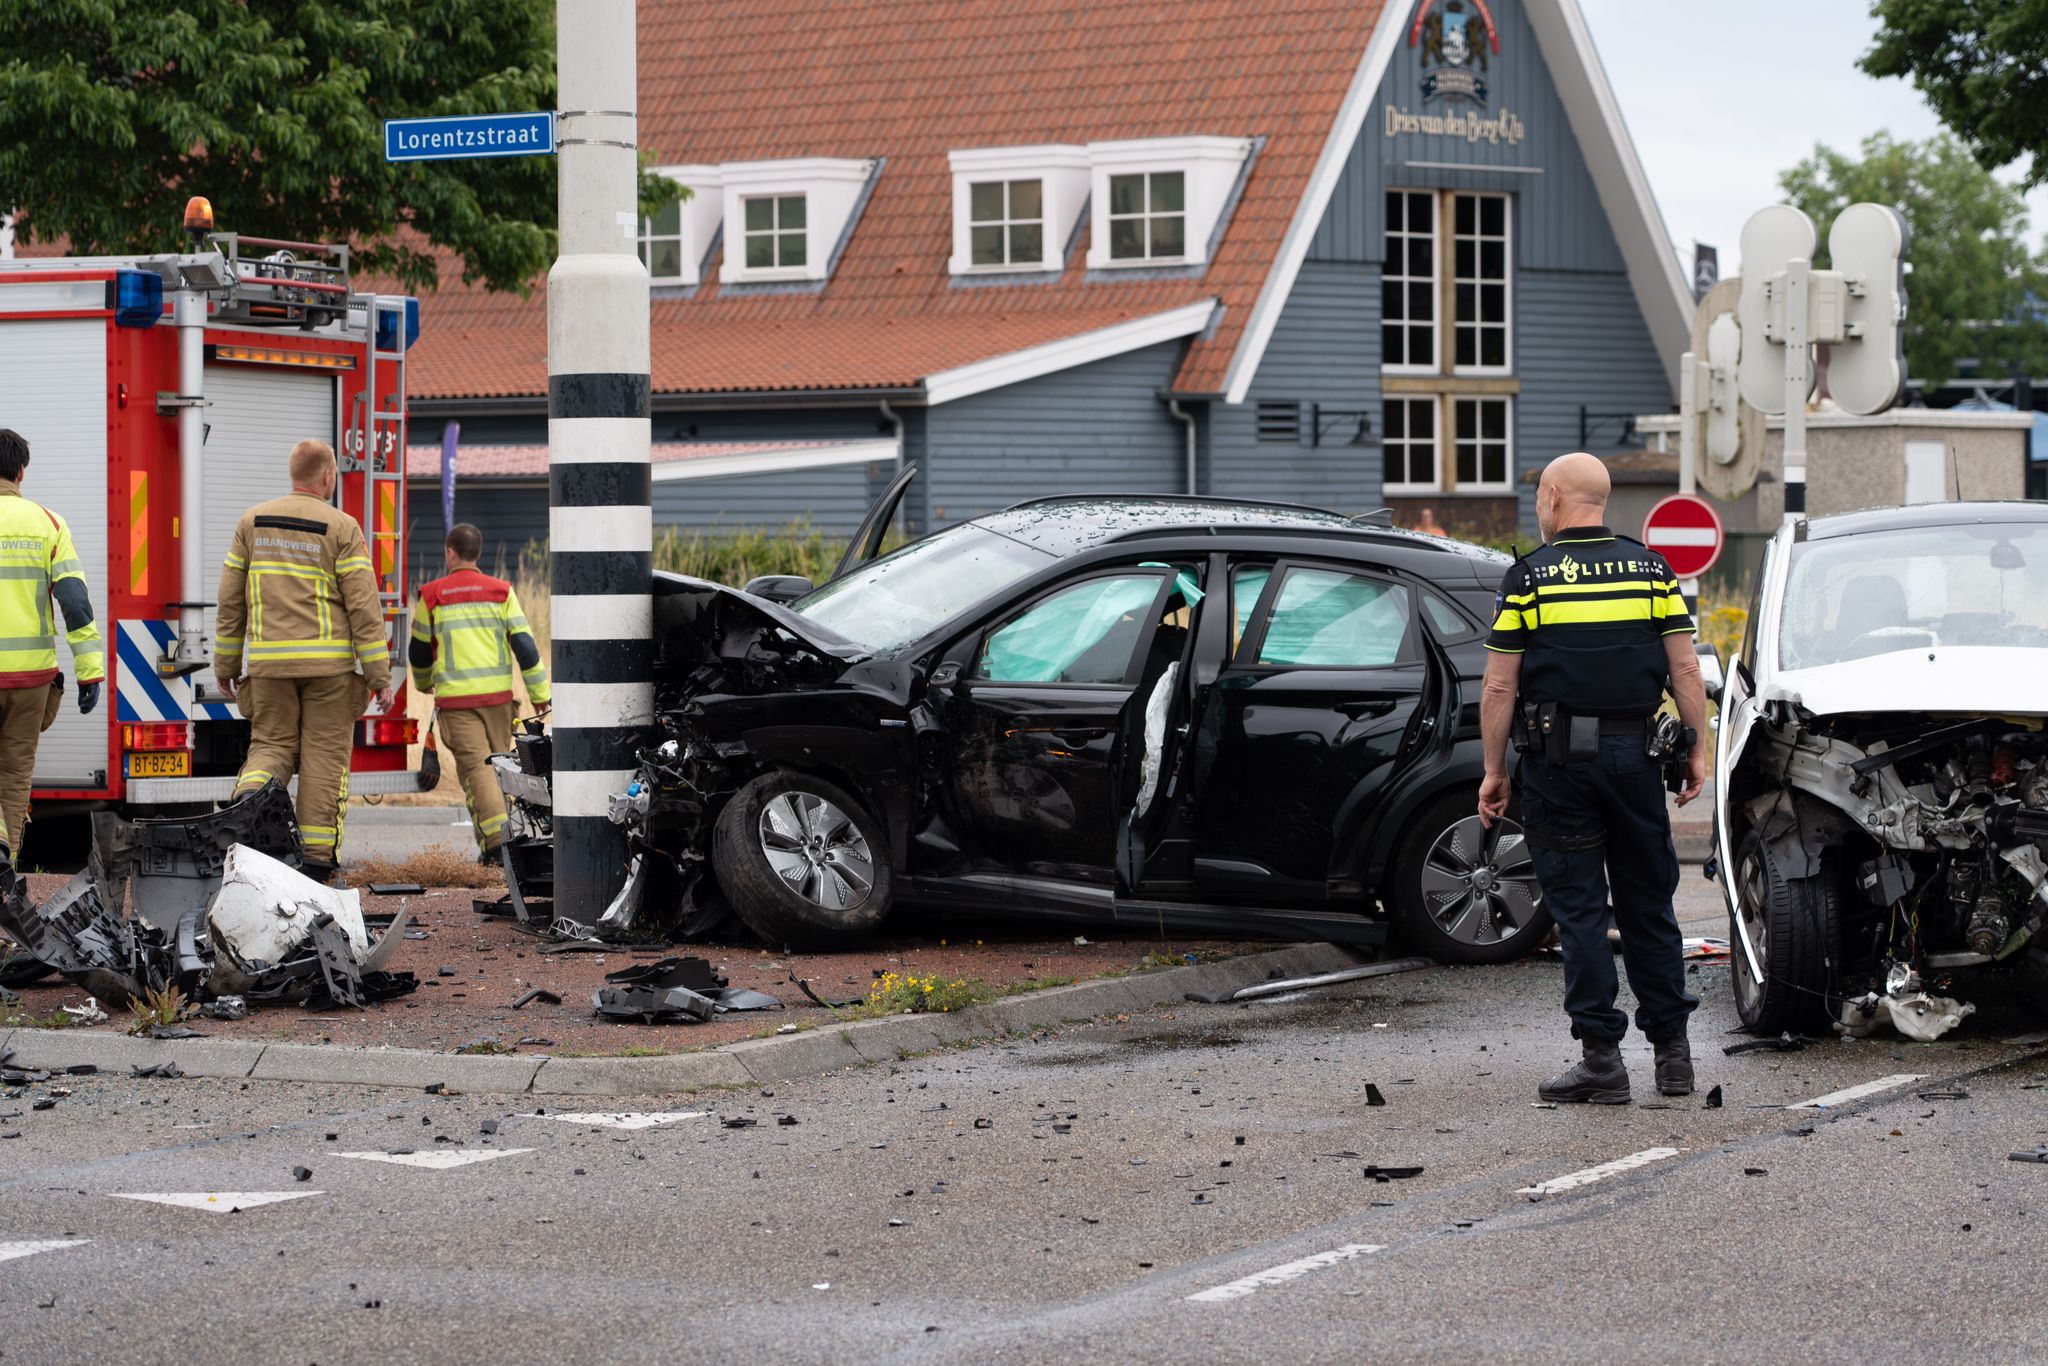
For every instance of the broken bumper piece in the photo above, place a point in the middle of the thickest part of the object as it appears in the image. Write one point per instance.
(674, 989)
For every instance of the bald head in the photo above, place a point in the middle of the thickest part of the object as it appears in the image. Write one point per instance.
(1573, 492)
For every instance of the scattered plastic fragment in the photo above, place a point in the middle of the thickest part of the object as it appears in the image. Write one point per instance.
(1713, 1100)
(1374, 1172)
(226, 1008)
(537, 994)
(1373, 1096)
(87, 1014)
(2029, 1155)
(302, 1173)
(396, 889)
(1756, 1171)
(164, 1070)
(1784, 1043)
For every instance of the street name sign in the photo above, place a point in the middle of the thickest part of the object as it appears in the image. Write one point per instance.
(469, 135)
(1686, 531)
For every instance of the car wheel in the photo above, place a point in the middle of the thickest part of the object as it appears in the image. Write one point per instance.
(1793, 923)
(1466, 894)
(803, 863)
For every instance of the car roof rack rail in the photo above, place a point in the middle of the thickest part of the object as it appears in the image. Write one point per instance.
(1194, 499)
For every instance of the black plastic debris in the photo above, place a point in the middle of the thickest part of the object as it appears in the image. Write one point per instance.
(173, 1031)
(1784, 1043)
(160, 1069)
(1713, 1100)
(537, 994)
(302, 1173)
(738, 1122)
(1756, 1171)
(984, 1124)
(489, 1126)
(805, 987)
(82, 1069)
(396, 889)
(786, 1121)
(2029, 1155)
(436, 1088)
(1946, 1093)
(1373, 1096)
(226, 1008)
(1375, 1172)
(686, 989)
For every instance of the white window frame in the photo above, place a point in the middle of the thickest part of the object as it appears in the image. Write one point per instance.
(777, 234)
(1209, 168)
(1062, 173)
(1478, 328)
(1146, 216)
(1434, 279)
(832, 188)
(1433, 404)
(1505, 444)
(697, 223)
(1005, 222)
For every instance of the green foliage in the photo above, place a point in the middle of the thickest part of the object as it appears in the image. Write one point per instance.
(895, 994)
(1975, 282)
(1978, 64)
(112, 114)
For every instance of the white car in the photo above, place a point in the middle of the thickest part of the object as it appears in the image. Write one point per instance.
(1881, 770)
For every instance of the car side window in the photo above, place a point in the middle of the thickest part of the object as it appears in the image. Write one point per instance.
(1087, 632)
(1449, 623)
(1756, 611)
(1246, 583)
(1325, 618)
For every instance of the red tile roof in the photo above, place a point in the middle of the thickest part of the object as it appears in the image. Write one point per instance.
(531, 462)
(911, 80)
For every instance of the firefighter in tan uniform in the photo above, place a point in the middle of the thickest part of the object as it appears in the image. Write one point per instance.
(37, 563)
(298, 602)
(467, 632)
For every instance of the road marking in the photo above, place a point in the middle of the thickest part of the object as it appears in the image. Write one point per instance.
(632, 1119)
(1280, 1275)
(1599, 1173)
(1868, 1088)
(438, 1161)
(9, 1251)
(215, 1202)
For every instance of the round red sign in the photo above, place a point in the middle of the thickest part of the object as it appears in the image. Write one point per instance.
(1686, 531)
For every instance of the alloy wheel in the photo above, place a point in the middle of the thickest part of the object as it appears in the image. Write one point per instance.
(1479, 885)
(1752, 896)
(817, 850)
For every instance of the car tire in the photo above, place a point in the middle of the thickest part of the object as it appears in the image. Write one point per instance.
(792, 852)
(1454, 884)
(1795, 923)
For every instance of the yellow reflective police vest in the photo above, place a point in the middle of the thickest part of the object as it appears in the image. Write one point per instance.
(467, 632)
(38, 562)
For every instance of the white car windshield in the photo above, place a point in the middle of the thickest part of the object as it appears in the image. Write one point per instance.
(905, 595)
(1859, 596)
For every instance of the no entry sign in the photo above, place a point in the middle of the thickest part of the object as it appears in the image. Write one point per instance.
(1686, 531)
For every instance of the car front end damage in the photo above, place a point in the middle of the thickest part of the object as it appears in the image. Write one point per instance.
(1871, 851)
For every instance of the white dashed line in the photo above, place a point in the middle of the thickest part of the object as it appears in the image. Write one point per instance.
(1280, 1275)
(9, 1251)
(1868, 1088)
(438, 1161)
(632, 1119)
(215, 1202)
(1599, 1173)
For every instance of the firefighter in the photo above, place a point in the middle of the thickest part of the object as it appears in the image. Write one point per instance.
(467, 629)
(37, 563)
(298, 603)
(1589, 632)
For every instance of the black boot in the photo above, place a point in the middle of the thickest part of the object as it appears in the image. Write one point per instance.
(1674, 1065)
(1599, 1077)
(322, 872)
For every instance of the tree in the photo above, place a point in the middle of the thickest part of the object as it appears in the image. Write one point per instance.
(1975, 289)
(112, 113)
(1978, 64)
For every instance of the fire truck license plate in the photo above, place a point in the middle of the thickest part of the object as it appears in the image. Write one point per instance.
(176, 764)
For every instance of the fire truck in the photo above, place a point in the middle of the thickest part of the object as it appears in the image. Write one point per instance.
(160, 396)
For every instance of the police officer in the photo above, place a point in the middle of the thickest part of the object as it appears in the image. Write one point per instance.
(467, 629)
(298, 602)
(37, 563)
(1587, 631)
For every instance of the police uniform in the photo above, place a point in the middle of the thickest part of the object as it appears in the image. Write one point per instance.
(1588, 613)
(467, 630)
(37, 563)
(298, 604)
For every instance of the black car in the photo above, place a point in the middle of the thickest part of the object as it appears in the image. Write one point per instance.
(1186, 713)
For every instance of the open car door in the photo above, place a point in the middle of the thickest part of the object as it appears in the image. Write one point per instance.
(1155, 835)
(867, 540)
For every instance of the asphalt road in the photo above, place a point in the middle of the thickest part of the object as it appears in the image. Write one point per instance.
(1188, 1184)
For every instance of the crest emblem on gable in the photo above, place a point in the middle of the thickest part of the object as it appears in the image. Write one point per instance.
(1457, 39)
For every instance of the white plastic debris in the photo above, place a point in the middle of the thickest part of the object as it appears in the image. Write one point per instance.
(265, 909)
(89, 1013)
(1917, 1015)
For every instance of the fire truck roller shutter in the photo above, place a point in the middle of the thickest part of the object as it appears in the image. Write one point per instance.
(53, 390)
(256, 415)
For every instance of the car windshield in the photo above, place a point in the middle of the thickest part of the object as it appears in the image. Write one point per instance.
(1859, 596)
(904, 595)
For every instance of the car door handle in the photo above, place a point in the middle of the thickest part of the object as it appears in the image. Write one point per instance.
(1379, 707)
(1075, 735)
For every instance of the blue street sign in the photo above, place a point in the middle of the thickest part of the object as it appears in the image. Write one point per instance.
(469, 135)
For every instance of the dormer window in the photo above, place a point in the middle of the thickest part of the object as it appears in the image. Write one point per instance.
(785, 220)
(1148, 216)
(1158, 200)
(1014, 208)
(676, 238)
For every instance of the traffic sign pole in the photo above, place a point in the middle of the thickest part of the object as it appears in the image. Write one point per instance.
(1688, 454)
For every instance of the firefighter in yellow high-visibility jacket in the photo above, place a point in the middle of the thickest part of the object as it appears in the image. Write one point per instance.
(467, 631)
(37, 563)
(298, 603)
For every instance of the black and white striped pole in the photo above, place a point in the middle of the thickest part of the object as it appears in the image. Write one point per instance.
(600, 526)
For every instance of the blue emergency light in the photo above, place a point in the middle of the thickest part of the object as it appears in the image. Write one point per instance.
(387, 327)
(138, 298)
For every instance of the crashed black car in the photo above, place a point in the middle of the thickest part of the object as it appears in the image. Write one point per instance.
(1181, 713)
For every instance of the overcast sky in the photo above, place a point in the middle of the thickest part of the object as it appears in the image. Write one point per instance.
(1721, 97)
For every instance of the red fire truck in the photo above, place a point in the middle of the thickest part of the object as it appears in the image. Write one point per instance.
(160, 396)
